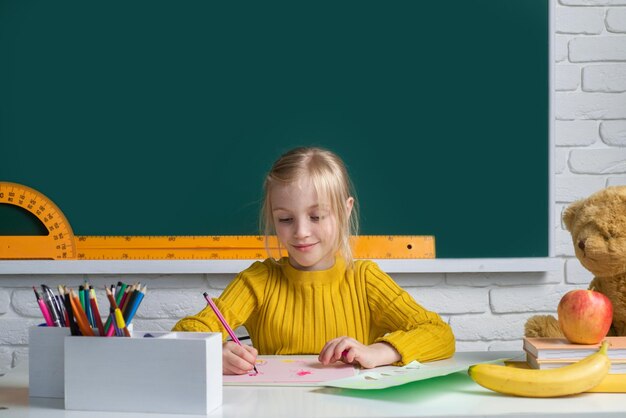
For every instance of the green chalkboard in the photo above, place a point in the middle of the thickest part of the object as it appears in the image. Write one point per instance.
(162, 117)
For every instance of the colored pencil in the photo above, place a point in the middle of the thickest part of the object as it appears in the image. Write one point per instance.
(119, 320)
(110, 325)
(111, 298)
(224, 323)
(62, 299)
(44, 309)
(128, 302)
(119, 292)
(79, 314)
(53, 306)
(132, 309)
(114, 328)
(74, 330)
(81, 296)
(74, 311)
(71, 320)
(125, 296)
(96, 312)
(87, 306)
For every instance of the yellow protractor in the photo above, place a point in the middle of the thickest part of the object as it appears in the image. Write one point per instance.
(61, 243)
(58, 244)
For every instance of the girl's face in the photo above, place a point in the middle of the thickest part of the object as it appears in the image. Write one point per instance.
(304, 225)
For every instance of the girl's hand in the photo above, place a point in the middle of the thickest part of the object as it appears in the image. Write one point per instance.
(237, 359)
(351, 351)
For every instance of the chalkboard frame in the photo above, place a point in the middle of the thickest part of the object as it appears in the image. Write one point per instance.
(550, 200)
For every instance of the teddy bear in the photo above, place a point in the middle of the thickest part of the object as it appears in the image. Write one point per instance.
(598, 228)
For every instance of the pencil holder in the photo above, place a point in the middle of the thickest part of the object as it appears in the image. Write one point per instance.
(45, 361)
(176, 372)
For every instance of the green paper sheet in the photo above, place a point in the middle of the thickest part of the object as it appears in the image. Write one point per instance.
(389, 376)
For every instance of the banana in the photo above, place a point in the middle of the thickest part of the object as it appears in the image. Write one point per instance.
(568, 380)
(612, 383)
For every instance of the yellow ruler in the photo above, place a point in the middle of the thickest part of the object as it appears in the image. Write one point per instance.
(62, 244)
(235, 247)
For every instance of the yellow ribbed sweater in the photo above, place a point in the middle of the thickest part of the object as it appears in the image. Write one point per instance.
(289, 311)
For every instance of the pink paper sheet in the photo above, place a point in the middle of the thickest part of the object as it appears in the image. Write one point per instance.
(292, 370)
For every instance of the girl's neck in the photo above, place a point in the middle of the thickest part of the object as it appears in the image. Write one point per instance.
(316, 277)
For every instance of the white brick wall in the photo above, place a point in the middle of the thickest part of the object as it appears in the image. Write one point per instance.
(610, 78)
(613, 132)
(486, 311)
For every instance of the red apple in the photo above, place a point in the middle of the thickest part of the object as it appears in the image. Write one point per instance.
(585, 316)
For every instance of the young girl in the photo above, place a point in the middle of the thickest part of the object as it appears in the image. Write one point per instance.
(318, 299)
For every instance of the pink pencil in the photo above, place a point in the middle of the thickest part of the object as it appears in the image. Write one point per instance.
(223, 321)
(44, 309)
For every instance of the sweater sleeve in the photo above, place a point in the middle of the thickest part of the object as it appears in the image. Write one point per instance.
(416, 333)
(236, 303)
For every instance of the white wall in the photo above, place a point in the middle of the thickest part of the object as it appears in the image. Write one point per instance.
(486, 311)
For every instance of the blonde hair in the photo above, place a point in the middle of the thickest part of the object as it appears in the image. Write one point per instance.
(330, 179)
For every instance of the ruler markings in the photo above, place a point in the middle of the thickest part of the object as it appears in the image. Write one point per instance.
(62, 244)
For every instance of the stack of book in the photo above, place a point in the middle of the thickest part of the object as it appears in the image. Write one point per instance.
(552, 353)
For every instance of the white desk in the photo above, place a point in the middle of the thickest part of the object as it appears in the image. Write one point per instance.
(455, 395)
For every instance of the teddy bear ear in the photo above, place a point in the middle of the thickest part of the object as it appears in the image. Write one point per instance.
(570, 214)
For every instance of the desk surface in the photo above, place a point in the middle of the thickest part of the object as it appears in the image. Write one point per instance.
(455, 395)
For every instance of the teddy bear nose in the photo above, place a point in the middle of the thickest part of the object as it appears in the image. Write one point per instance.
(581, 245)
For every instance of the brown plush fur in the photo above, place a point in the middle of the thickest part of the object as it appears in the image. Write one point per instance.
(542, 326)
(598, 228)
